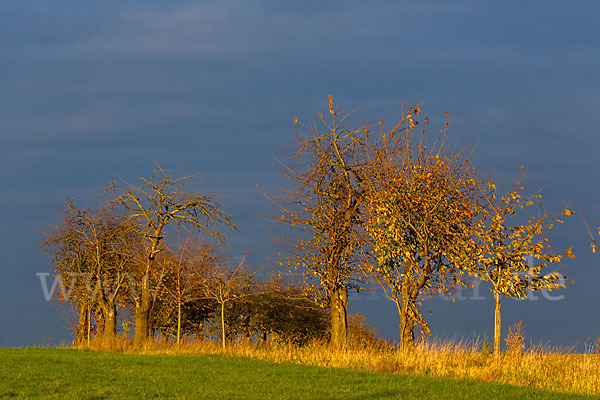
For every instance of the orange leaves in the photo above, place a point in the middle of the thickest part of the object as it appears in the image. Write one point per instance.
(569, 253)
(420, 216)
(330, 100)
(447, 123)
(411, 122)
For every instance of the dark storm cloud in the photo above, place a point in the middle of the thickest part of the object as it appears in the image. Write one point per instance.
(92, 89)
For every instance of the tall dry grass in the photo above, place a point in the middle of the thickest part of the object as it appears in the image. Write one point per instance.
(541, 367)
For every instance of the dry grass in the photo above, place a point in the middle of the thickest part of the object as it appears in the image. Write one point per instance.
(547, 368)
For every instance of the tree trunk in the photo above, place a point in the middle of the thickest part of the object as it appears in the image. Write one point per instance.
(142, 313)
(407, 320)
(89, 324)
(200, 334)
(223, 323)
(339, 323)
(109, 315)
(110, 322)
(99, 319)
(178, 323)
(81, 325)
(497, 326)
(407, 326)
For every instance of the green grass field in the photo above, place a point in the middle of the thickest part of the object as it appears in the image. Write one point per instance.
(74, 374)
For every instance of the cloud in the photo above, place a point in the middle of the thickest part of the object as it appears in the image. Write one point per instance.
(233, 30)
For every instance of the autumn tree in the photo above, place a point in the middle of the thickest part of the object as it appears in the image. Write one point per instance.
(157, 202)
(226, 282)
(69, 264)
(321, 205)
(91, 258)
(507, 242)
(105, 237)
(187, 261)
(422, 201)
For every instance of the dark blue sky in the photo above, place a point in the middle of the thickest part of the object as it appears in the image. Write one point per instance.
(92, 89)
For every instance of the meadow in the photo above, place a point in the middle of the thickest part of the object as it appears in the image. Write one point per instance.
(69, 373)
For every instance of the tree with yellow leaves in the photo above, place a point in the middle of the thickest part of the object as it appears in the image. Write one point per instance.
(421, 208)
(504, 248)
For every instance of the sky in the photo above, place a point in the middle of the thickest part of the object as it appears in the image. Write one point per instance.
(93, 89)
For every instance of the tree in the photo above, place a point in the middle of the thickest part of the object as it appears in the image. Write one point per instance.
(226, 283)
(156, 203)
(321, 206)
(422, 202)
(90, 256)
(65, 246)
(105, 237)
(187, 263)
(504, 247)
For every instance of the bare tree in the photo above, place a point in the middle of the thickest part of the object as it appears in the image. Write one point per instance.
(155, 203)
(69, 261)
(188, 261)
(321, 206)
(106, 236)
(226, 283)
(91, 258)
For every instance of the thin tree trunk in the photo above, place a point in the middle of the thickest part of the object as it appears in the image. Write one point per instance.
(223, 323)
(200, 330)
(142, 313)
(339, 322)
(497, 326)
(178, 323)
(89, 324)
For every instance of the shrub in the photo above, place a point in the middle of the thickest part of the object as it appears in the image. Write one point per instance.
(515, 341)
(361, 335)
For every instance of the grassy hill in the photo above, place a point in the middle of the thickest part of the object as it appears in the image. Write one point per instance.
(85, 374)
